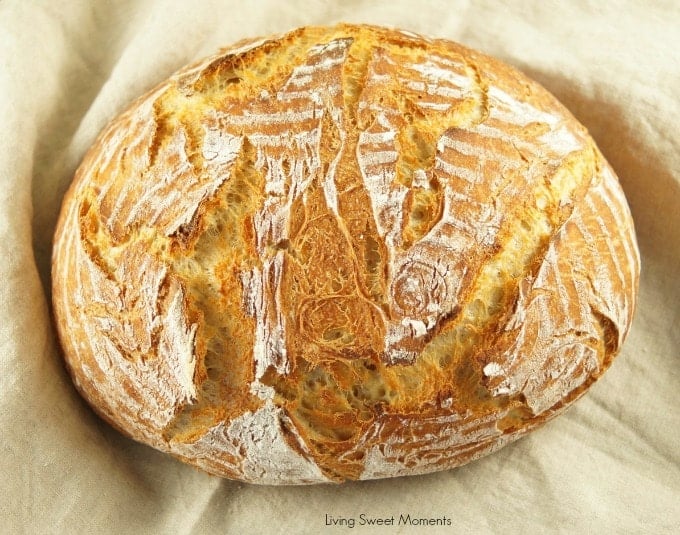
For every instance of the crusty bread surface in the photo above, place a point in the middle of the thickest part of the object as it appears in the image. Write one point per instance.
(345, 252)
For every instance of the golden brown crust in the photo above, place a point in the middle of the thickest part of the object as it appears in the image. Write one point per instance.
(341, 253)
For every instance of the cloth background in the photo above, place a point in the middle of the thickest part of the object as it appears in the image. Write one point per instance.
(611, 464)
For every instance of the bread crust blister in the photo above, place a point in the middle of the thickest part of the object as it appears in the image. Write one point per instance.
(341, 253)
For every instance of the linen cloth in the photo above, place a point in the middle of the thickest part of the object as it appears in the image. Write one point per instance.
(611, 464)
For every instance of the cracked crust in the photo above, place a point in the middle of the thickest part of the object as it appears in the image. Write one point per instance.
(341, 253)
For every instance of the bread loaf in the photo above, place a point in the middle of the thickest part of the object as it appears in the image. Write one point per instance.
(341, 253)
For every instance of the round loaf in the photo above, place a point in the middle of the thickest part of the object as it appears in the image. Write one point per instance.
(341, 253)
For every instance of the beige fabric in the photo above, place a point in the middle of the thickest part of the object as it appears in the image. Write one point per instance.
(611, 464)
